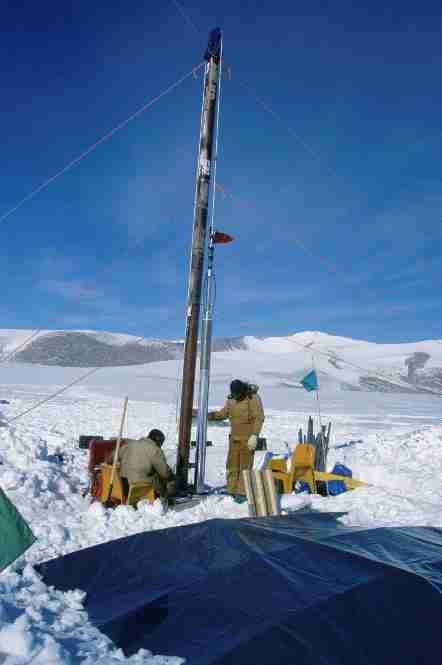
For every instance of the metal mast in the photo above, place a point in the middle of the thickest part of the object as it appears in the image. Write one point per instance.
(205, 357)
(201, 210)
(206, 350)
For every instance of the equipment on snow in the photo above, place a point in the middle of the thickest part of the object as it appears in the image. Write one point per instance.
(85, 440)
(261, 494)
(321, 441)
(300, 468)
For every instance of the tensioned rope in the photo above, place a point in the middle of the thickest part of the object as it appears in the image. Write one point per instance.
(43, 186)
(185, 16)
(325, 262)
(97, 143)
(305, 347)
(329, 265)
(19, 347)
(51, 397)
(90, 372)
(74, 163)
(94, 370)
(379, 375)
(240, 201)
(313, 153)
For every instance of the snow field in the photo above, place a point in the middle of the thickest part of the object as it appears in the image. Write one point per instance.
(396, 446)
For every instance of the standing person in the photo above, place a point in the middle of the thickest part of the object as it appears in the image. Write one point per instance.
(143, 460)
(245, 411)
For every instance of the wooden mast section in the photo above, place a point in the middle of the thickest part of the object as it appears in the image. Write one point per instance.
(199, 241)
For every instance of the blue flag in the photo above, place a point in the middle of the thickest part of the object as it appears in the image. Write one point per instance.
(310, 382)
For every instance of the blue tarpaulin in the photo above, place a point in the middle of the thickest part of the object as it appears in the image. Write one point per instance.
(300, 589)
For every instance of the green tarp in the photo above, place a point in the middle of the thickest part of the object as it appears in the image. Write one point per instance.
(15, 534)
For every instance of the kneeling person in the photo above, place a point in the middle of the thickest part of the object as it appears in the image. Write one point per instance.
(143, 460)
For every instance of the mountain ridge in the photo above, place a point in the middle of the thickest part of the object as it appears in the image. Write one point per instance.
(342, 362)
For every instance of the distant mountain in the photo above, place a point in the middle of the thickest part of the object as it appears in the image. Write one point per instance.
(342, 363)
(348, 364)
(93, 349)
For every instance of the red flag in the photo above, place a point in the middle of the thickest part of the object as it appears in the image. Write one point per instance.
(221, 238)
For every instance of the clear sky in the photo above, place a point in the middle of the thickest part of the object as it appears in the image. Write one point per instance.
(335, 198)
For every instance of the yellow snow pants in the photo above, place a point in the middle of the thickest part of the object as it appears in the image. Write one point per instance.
(239, 458)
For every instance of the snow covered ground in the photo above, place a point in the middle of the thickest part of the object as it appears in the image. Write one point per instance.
(396, 444)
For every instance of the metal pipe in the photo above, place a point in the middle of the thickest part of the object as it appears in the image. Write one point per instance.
(247, 480)
(272, 499)
(259, 493)
(203, 400)
(207, 327)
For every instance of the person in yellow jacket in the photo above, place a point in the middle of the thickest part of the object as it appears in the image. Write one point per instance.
(245, 412)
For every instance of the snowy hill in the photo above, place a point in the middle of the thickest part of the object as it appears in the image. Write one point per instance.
(85, 348)
(342, 363)
(347, 364)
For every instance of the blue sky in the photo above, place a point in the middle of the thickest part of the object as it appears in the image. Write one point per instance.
(335, 207)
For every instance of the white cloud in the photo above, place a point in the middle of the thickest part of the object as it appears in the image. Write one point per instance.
(71, 290)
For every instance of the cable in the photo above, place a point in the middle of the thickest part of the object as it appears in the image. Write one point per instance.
(97, 143)
(20, 346)
(73, 163)
(58, 392)
(384, 377)
(260, 101)
(80, 158)
(237, 200)
(186, 17)
(326, 263)
(66, 387)
(329, 265)
(289, 129)
(312, 152)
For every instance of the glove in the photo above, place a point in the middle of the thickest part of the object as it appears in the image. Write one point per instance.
(252, 442)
